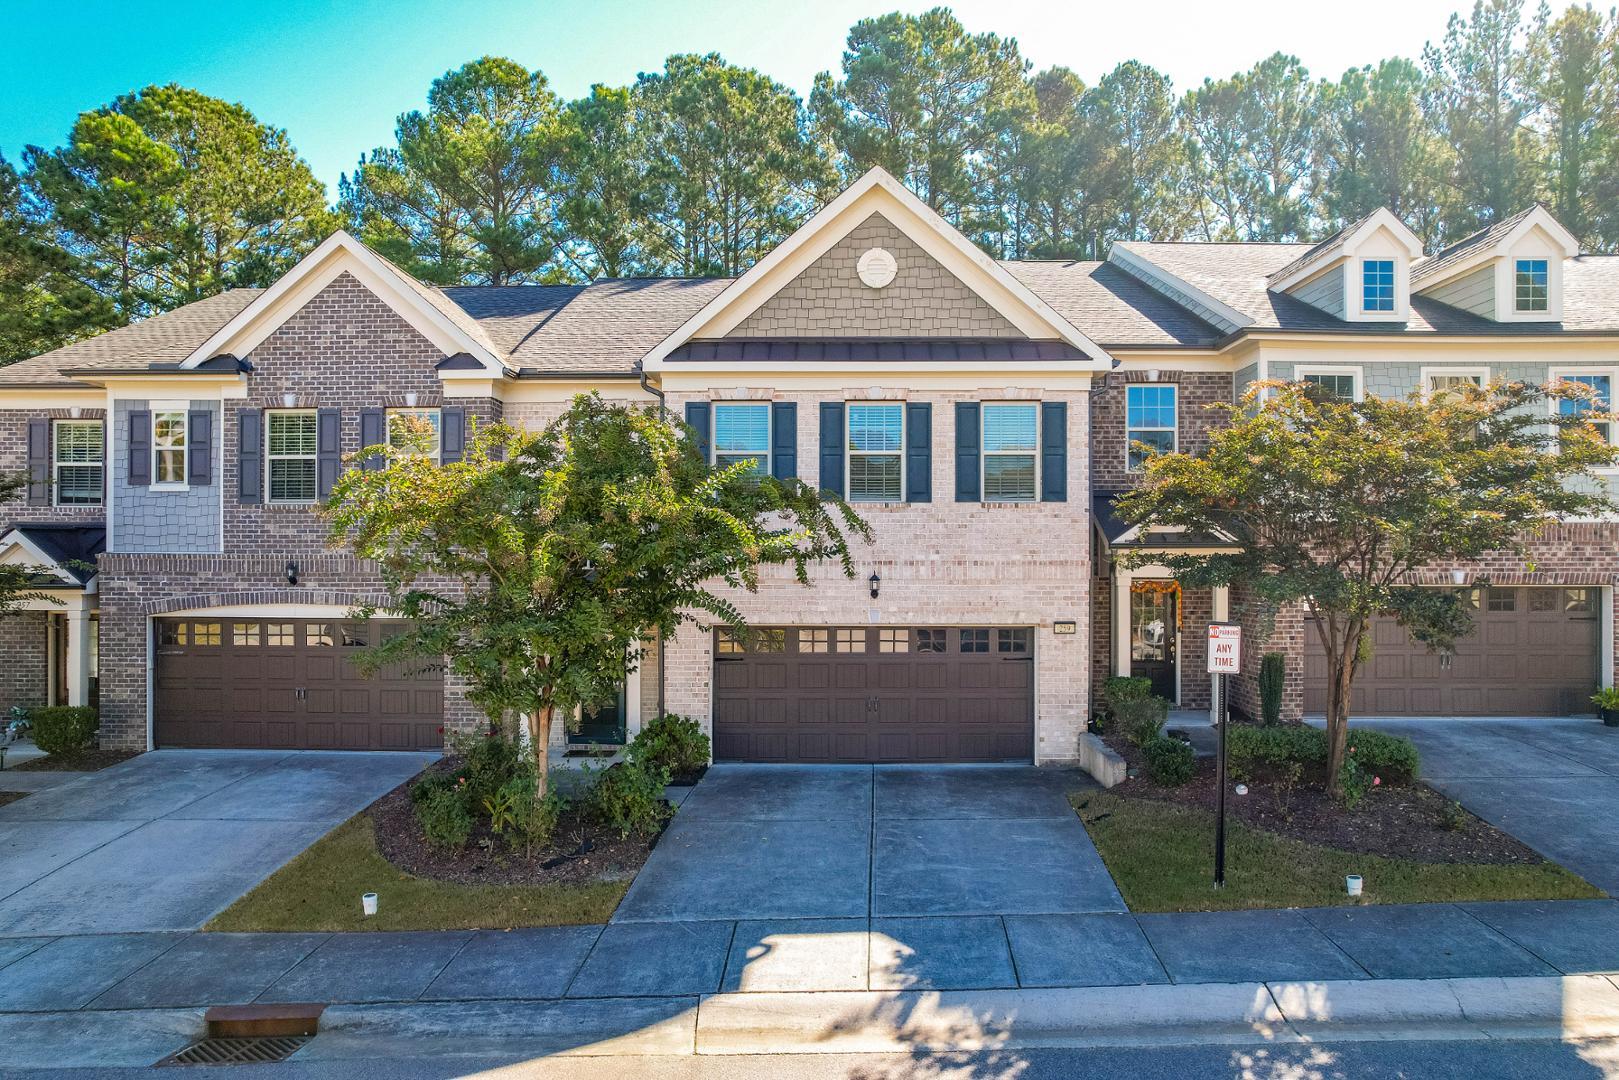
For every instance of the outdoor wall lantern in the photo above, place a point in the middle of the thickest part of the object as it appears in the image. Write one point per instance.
(876, 582)
(292, 572)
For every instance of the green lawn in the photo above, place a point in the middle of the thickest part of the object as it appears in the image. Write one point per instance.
(320, 890)
(1162, 857)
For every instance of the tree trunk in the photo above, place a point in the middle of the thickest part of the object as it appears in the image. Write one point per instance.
(539, 734)
(1341, 671)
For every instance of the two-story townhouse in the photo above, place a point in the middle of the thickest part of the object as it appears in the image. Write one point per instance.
(980, 414)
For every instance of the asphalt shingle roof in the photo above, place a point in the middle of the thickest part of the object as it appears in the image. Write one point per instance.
(1110, 306)
(1433, 266)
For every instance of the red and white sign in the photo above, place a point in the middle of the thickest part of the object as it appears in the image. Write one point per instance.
(1225, 648)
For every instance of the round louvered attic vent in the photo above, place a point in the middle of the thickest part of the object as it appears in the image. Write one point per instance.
(877, 267)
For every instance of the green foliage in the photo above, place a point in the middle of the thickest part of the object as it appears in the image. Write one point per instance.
(521, 818)
(1251, 751)
(673, 743)
(568, 548)
(67, 730)
(487, 762)
(1454, 817)
(1141, 719)
(1169, 761)
(1272, 678)
(1606, 699)
(1393, 758)
(1121, 688)
(628, 798)
(444, 818)
(1355, 781)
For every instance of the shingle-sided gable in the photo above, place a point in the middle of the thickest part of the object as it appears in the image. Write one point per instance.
(828, 299)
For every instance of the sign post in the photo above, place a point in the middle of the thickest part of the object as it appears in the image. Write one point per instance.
(1225, 660)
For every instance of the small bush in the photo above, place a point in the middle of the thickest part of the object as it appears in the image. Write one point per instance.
(628, 798)
(430, 785)
(1354, 782)
(1121, 688)
(1251, 749)
(1169, 761)
(521, 819)
(1454, 817)
(1141, 719)
(487, 763)
(671, 742)
(65, 730)
(444, 818)
(1392, 757)
(1272, 677)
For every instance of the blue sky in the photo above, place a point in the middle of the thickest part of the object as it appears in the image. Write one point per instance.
(335, 73)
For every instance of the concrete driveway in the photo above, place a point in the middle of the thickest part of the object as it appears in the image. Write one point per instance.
(1554, 784)
(168, 839)
(863, 842)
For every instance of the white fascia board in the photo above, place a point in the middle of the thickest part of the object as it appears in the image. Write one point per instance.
(877, 191)
(17, 550)
(1346, 247)
(1540, 218)
(336, 254)
(1143, 269)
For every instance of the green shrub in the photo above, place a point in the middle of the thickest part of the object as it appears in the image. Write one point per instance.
(519, 818)
(1141, 719)
(1394, 758)
(1251, 749)
(1121, 688)
(430, 785)
(1272, 677)
(65, 730)
(1354, 782)
(1169, 761)
(487, 763)
(628, 798)
(444, 818)
(671, 742)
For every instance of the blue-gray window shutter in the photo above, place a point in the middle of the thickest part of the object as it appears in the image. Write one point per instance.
(452, 441)
(698, 418)
(784, 439)
(328, 449)
(832, 440)
(969, 450)
(1054, 451)
(39, 462)
(918, 452)
(374, 432)
(200, 447)
(140, 447)
(249, 455)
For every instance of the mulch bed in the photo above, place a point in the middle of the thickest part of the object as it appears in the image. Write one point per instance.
(89, 761)
(581, 851)
(1396, 821)
(12, 796)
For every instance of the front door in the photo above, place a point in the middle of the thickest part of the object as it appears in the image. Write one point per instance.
(1152, 638)
(602, 724)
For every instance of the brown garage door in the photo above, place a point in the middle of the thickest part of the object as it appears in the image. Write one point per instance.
(288, 684)
(1532, 652)
(875, 694)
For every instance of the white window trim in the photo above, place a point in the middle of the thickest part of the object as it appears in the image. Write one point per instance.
(184, 409)
(1553, 375)
(57, 463)
(1512, 278)
(985, 454)
(1174, 431)
(849, 453)
(1394, 285)
(269, 499)
(1482, 374)
(387, 427)
(1301, 370)
(767, 458)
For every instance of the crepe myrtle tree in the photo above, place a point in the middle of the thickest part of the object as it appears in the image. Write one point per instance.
(1340, 504)
(539, 564)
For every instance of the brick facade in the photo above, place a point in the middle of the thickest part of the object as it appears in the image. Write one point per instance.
(24, 667)
(1197, 390)
(14, 459)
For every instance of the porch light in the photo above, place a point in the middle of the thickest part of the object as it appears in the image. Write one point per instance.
(876, 582)
(292, 572)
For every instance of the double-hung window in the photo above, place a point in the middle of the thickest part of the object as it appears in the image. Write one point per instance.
(1150, 418)
(1340, 384)
(876, 441)
(1600, 400)
(742, 433)
(77, 462)
(169, 438)
(1011, 461)
(415, 431)
(1437, 381)
(1377, 285)
(290, 460)
(1531, 289)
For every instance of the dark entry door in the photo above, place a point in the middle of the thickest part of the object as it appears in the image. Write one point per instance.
(602, 724)
(1152, 639)
(875, 694)
(289, 684)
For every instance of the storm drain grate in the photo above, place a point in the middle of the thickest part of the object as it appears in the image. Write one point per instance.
(253, 1050)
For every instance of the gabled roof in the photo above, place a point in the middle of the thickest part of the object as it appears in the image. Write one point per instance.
(878, 192)
(1489, 243)
(1342, 242)
(66, 554)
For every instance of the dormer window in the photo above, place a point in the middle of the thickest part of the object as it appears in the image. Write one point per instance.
(1532, 289)
(1377, 284)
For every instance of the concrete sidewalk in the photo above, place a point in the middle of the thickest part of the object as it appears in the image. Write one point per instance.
(662, 960)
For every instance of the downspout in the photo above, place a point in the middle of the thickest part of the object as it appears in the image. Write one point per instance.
(663, 413)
